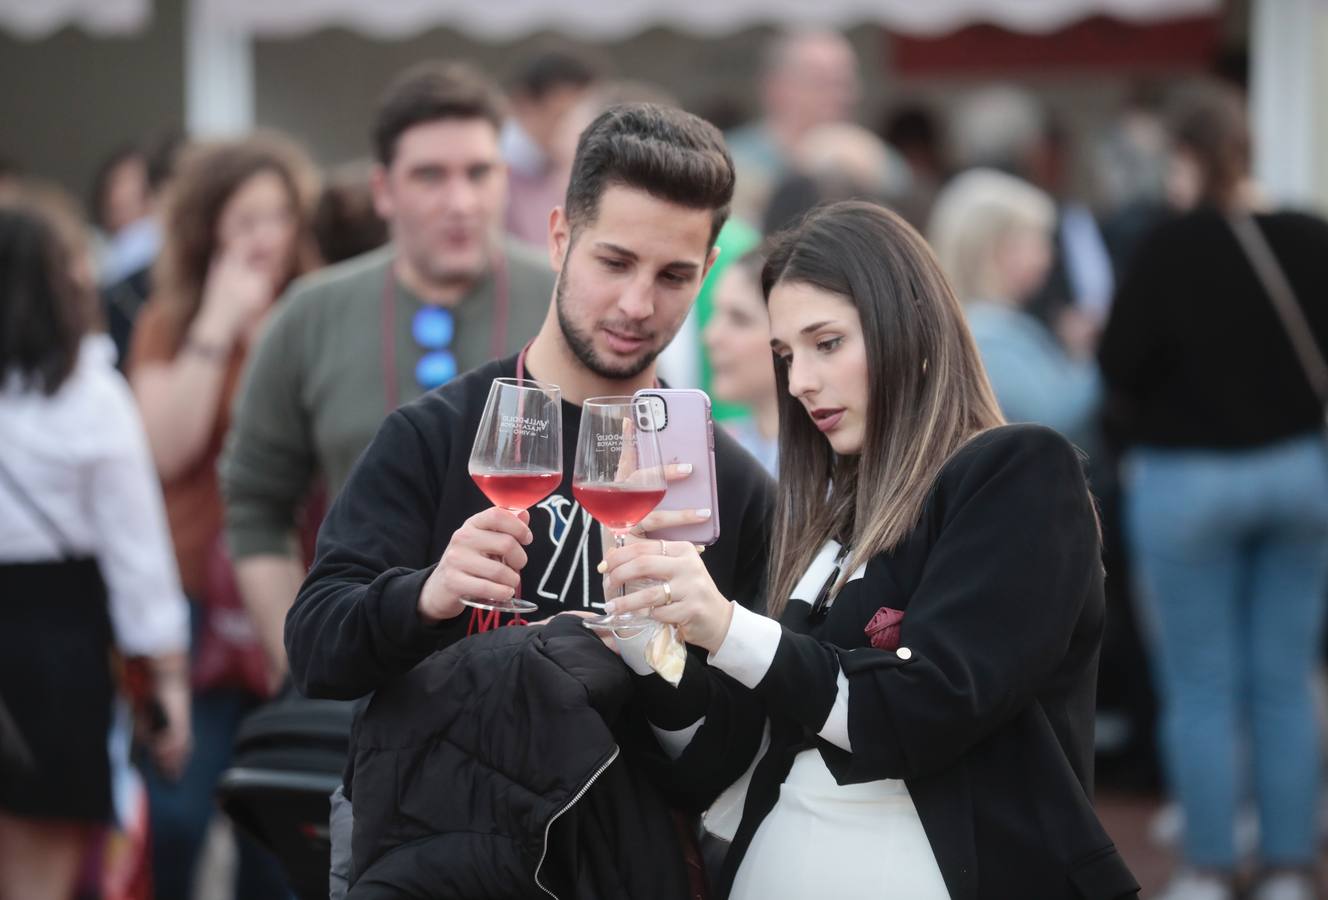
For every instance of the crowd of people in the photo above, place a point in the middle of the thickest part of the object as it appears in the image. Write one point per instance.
(948, 383)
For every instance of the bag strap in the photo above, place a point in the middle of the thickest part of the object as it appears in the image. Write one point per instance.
(46, 522)
(1283, 297)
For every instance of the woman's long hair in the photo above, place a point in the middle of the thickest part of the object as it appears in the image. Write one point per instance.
(928, 392)
(208, 176)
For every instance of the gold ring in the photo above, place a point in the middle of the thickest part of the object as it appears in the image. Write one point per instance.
(668, 594)
(663, 548)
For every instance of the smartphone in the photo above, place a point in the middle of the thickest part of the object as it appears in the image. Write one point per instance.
(681, 419)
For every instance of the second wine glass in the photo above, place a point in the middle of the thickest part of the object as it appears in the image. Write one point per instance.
(619, 474)
(517, 458)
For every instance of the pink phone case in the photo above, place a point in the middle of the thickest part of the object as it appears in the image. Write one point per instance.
(687, 435)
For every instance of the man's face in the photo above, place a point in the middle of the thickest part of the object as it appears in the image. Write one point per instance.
(443, 195)
(627, 280)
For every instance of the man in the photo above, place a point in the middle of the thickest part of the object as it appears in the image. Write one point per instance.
(410, 534)
(809, 78)
(349, 344)
(545, 91)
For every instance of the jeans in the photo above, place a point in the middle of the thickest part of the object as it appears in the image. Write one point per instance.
(181, 810)
(1231, 552)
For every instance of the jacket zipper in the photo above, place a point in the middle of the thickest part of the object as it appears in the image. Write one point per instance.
(579, 794)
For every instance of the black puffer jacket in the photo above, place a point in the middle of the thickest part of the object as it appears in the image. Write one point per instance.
(492, 770)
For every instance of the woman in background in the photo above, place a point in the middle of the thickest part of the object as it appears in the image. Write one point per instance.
(1226, 492)
(85, 561)
(237, 232)
(737, 339)
(993, 237)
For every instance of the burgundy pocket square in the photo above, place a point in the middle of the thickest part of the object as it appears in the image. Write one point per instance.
(883, 629)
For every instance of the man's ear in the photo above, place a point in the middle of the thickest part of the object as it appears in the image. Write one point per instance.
(560, 237)
(382, 194)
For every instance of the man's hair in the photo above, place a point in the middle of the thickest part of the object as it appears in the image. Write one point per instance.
(670, 154)
(544, 73)
(430, 92)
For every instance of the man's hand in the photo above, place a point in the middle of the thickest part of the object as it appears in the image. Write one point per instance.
(483, 559)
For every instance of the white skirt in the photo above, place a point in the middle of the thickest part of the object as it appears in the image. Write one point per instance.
(847, 842)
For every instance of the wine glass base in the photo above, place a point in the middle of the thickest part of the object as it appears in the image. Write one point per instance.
(514, 605)
(624, 625)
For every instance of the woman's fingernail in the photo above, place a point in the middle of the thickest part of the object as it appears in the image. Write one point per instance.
(685, 468)
(610, 607)
(602, 567)
(703, 513)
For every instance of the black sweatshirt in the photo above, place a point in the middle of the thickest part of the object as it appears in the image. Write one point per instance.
(1194, 354)
(355, 626)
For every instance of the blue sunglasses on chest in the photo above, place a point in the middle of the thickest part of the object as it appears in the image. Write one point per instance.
(433, 329)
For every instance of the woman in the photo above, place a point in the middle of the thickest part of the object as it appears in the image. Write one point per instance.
(737, 340)
(237, 232)
(85, 562)
(927, 669)
(993, 237)
(1226, 512)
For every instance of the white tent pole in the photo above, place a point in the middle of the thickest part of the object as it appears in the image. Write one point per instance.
(1289, 44)
(219, 75)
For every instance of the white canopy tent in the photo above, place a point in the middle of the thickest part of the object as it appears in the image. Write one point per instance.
(596, 20)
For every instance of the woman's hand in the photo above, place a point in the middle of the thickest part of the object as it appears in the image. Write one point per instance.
(235, 297)
(172, 744)
(691, 601)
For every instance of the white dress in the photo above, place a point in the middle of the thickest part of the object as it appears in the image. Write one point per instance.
(824, 839)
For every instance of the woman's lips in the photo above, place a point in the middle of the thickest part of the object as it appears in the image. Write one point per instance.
(827, 419)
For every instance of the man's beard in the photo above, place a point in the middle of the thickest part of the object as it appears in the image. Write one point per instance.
(583, 346)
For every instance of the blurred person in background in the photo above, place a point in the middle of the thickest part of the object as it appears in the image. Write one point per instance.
(1004, 127)
(237, 227)
(833, 162)
(808, 78)
(915, 132)
(543, 94)
(345, 222)
(1226, 488)
(992, 233)
(85, 560)
(737, 342)
(120, 203)
(1130, 170)
(127, 280)
(358, 339)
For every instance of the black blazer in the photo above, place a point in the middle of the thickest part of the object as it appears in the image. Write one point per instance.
(988, 714)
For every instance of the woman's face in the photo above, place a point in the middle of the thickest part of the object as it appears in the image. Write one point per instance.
(1023, 259)
(258, 223)
(1184, 180)
(818, 335)
(737, 339)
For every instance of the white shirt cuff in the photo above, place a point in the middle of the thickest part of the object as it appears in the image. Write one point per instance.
(749, 647)
(836, 724)
(674, 742)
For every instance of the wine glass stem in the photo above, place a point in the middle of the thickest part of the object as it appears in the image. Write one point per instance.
(621, 540)
(516, 595)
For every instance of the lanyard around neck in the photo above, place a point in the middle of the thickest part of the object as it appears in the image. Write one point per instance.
(497, 338)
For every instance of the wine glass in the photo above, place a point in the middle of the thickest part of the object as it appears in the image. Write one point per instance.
(517, 458)
(619, 474)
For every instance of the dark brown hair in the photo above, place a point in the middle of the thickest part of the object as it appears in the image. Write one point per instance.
(43, 309)
(209, 174)
(928, 391)
(430, 92)
(1210, 123)
(668, 153)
